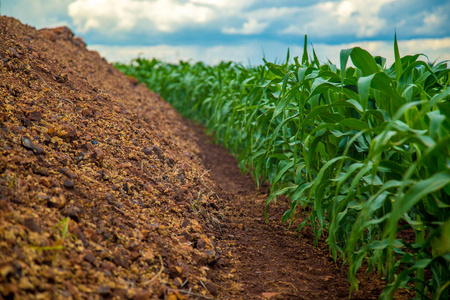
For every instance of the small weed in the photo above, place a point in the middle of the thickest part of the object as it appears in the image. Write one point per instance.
(63, 226)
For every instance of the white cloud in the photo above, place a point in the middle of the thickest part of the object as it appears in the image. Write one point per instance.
(331, 18)
(125, 15)
(258, 20)
(165, 16)
(174, 54)
(436, 21)
(229, 4)
(159, 21)
(433, 48)
(95, 14)
(252, 26)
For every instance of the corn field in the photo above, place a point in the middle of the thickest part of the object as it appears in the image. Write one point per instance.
(365, 146)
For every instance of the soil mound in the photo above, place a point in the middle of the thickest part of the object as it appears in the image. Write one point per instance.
(102, 193)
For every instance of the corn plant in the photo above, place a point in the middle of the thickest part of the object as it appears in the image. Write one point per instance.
(366, 147)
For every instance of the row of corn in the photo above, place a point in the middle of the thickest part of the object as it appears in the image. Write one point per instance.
(365, 146)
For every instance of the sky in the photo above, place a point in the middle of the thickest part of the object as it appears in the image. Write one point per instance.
(244, 31)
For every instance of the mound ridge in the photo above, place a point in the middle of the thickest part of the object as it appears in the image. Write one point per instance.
(102, 192)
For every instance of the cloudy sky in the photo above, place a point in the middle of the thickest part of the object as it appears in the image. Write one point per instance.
(242, 30)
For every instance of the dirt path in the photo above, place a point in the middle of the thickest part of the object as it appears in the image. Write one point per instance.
(270, 261)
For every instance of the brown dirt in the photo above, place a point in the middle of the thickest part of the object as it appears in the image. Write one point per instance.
(107, 193)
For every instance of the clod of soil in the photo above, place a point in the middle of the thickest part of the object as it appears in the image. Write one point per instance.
(106, 192)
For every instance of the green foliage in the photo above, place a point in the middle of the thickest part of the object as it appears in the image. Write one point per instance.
(63, 226)
(366, 147)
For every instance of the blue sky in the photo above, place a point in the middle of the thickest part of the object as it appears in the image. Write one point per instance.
(240, 30)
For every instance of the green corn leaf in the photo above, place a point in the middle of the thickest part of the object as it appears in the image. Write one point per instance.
(382, 82)
(417, 192)
(364, 61)
(305, 51)
(344, 55)
(283, 171)
(398, 61)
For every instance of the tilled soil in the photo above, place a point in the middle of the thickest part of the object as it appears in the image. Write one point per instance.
(107, 193)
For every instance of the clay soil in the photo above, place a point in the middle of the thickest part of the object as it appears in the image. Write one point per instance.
(107, 193)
